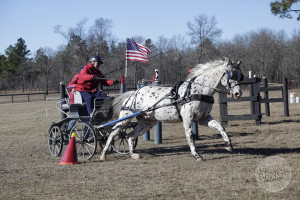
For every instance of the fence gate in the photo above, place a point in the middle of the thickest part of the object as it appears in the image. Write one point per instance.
(254, 99)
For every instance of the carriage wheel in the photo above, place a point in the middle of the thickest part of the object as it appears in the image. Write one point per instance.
(86, 141)
(120, 143)
(55, 141)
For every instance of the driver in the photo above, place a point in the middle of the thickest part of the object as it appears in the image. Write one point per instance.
(89, 79)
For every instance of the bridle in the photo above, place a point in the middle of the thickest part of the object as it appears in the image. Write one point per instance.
(230, 76)
(233, 75)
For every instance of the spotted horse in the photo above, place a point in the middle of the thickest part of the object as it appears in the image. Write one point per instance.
(192, 100)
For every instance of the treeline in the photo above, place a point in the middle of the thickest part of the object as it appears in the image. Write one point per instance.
(264, 52)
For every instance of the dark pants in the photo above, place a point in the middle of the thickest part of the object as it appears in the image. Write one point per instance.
(89, 97)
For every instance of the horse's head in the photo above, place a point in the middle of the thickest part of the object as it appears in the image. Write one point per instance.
(231, 79)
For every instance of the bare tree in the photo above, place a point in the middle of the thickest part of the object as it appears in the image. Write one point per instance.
(99, 37)
(42, 60)
(203, 31)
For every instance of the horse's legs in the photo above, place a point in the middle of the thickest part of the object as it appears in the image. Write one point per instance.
(116, 129)
(142, 127)
(187, 123)
(212, 123)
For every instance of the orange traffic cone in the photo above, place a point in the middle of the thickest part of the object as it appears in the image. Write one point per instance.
(70, 155)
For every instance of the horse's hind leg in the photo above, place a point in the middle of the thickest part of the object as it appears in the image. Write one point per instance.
(212, 123)
(117, 128)
(142, 127)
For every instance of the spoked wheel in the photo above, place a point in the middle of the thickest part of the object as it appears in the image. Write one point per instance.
(86, 141)
(120, 143)
(55, 141)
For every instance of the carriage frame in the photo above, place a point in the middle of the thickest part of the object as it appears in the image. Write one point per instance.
(89, 129)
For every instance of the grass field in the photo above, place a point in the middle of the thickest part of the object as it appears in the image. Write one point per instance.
(165, 171)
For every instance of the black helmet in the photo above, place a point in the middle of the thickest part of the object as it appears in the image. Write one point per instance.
(96, 59)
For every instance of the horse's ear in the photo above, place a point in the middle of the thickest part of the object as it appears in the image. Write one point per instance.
(239, 63)
(229, 61)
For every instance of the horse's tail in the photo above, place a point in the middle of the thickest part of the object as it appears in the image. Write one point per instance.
(119, 101)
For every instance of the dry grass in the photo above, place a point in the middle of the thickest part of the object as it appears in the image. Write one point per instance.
(166, 171)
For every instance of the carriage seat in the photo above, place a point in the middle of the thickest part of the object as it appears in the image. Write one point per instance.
(79, 105)
(78, 108)
(78, 98)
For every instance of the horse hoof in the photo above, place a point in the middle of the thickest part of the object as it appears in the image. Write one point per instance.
(200, 159)
(229, 148)
(135, 156)
(102, 158)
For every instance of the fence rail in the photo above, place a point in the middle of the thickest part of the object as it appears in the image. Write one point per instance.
(28, 95)
(255, 101)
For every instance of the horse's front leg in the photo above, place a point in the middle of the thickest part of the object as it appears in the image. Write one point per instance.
(212, 123)
(188, 124)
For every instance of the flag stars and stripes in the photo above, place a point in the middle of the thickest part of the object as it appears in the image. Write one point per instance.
(136, 52)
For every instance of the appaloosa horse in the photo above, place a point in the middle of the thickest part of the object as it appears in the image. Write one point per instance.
(189, 101)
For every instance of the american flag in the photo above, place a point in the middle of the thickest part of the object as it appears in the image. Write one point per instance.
(136, 52)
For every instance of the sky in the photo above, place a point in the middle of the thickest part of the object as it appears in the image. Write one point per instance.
(34, 20)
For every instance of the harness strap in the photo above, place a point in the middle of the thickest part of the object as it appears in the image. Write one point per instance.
(175, 88)
(202, 97)
(178, 102)
(188, 89)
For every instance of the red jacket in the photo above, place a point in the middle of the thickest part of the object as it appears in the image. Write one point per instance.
(86, 81)
(73, 82)
(71, 86)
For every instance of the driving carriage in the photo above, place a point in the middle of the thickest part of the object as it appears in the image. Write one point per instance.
(88, 133)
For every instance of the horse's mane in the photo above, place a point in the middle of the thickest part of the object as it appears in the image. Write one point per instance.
(202, 68)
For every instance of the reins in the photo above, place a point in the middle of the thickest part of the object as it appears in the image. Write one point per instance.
(177, 100)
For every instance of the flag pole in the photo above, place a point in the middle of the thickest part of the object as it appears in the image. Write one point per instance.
(123, 89)
(125, 68)
(126, 62)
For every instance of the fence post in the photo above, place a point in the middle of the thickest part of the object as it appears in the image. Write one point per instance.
(256, 104)
(122, 86)
(266, 96)
(62, 97)
(158, 127)
(223, 109)
(285, 97)
(195, 130)
(12, 98)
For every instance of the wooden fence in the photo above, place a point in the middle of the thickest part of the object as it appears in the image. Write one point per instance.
(255, 101)
(27, 94)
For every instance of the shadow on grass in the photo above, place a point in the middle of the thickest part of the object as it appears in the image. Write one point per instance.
(281, 122)
(218, 149)
(266, 151)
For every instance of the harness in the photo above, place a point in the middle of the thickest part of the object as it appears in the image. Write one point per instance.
(178, 101)
(188, 97)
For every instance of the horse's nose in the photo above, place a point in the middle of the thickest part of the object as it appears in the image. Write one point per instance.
(238, 93)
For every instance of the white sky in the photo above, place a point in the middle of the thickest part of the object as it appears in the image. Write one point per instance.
(34, 20)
